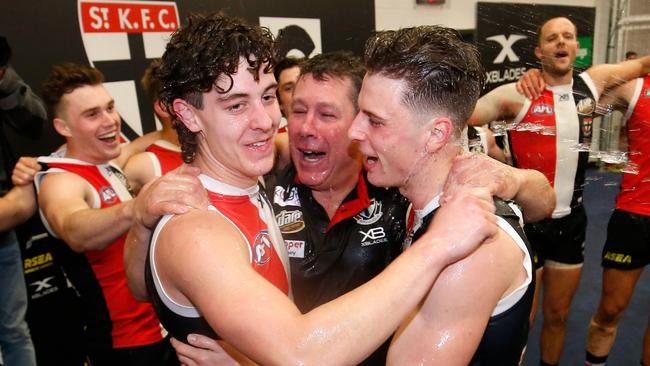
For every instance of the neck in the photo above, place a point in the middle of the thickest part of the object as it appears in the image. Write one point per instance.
(554, 79)
(72, 153)
(331, 197)
(429, 177)
(169, 134)
(214, 169)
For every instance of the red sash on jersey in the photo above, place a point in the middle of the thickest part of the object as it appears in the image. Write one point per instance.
(245, 215)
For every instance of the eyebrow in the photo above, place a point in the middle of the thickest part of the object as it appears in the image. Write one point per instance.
(110, 103)
(233, 96)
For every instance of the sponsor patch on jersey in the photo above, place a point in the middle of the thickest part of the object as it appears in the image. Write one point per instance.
(262, 248)
(586, 106)
(295, 248)
(374, 236)
(542, 109)
(290, 221)
(107, 195)
(371, 214)
(283, 198)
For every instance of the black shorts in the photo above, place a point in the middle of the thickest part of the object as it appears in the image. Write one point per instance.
(559, 240)
(161, 353)
(628, 241)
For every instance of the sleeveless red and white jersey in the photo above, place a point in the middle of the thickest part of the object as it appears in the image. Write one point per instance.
(98, 275)
(164, 156)
(552, 134)
(635, 188)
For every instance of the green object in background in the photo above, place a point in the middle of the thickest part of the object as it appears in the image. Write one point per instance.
(585, 52)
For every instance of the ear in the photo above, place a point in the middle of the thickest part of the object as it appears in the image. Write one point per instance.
(538, 53)
(159, 110)
(62, 127)
(185, 112)
(441, 131)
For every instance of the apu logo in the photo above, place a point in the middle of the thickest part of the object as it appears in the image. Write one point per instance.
(506, 44)
(290, 221)
(262, 248)
(371, 214)
(107, 195)
(542, 110)
(120, 39)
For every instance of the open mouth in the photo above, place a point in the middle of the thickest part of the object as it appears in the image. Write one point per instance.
(561, 54)
(108, 137)
(260, 145)
(312, 156)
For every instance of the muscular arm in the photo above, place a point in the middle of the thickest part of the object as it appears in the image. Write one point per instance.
(139, 171)
(501, 103)
(448, 327)
(607, 76)
(136, 146)
(216, 276)
(528, 187)
(18, 205)
(65, 200)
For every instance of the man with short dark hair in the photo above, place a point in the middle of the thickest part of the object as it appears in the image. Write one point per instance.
(85, 201)
(421, 86)
(553, 134)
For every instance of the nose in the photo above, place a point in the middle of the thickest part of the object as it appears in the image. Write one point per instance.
(305, 123)
(357, 132)
(263, 116)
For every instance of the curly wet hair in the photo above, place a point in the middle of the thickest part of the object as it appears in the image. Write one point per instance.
(208, 47)
(340, 64)
(64, 79)
(440, 70)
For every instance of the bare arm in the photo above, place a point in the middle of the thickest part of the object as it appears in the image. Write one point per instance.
(17, 206)
(501, 103)
(139, 171)
(216, 276)
(607, 76)
(174, 193)
(449, 325)
(136, 146)
(65, 199)
(528, 187)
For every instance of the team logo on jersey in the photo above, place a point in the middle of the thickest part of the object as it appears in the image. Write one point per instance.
(542, 109)
(262, 248)
(107, 195)
(587, 123)
(564, 97)
(586, 106)
(290, 221)
(371, 214)
(283, 198)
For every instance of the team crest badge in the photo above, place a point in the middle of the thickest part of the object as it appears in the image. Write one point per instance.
(586, 106)
(587, 124)
(371, 214)
(108, 195)
(262, 248)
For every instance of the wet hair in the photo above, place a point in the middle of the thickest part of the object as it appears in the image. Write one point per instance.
(539, 29)
(286, 63)
(441, 72)
(340, 64)
(150, 82)
(207, 48)
(64, 79)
